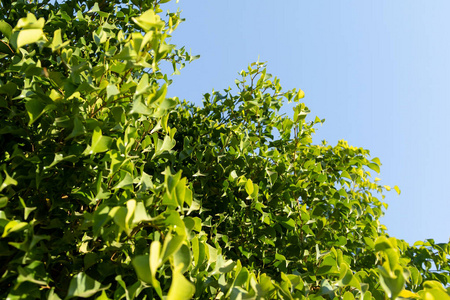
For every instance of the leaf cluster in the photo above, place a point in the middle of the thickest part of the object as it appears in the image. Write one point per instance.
(111, 190)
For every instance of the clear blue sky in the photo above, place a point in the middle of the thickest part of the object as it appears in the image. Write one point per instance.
(377, 71)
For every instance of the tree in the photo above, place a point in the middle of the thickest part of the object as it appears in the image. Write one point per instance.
(110, 190)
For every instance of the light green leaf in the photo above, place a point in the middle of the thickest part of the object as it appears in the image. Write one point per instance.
(300, 94)
(149, 20)
(99, 38)
(346, 277)
(162, 145)
(25, 37)
(119, 213)
(58, 158)
(111, 91)
(140, 107)
(94, 9)
(30, 22)
(99, 142)
(143, 85)
(57, 42)
(149, 36)
(392, 284)
(409, 295)
(382, 243)
(127, 53)
(346, 175)
(249, 187)
(188, 197)
(374, 167)
(155, 262)
(180, 191)
(84, 286)
(13, 226)
(7, 182)
(181, 288)
(377, 161)
(3, 201)
(5, 28)
(140, 213)
(322, 178)
(127, 181)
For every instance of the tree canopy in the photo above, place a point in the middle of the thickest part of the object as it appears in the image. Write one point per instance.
(111, 190)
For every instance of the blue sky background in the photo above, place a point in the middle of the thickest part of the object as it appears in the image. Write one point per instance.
(377, 71)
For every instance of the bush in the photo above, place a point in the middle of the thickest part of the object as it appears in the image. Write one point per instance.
(111, 190)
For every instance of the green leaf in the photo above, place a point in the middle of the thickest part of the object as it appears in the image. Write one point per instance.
(322, 178)
(99, 142)
(30, 22)
(140, 108)
(84, 286)
(149, 20)
(416, 277)
(249, 187)
(194, 223)
(78, 129)
(180, 191)
(57, 42)
(180, 288)
(382, 243)
(434, 290)
(37, 108)
(7, 181)
(393, 283)
(126, 181)
(143, 85)
(300, 94)
(155, 262)
(182, 258)
(374, 167)
(377, 161)
(5, 48)
(119, 214)
(111, 91)
(13, 226)
(346, 175)
(348, 296)
(3, 201)
(25, 37)
(410, 295)
(346, 277)
(94, 9)
(141, 264)
(171, 244)
(6, 29)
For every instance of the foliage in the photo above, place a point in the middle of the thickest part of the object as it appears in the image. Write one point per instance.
(111, 190)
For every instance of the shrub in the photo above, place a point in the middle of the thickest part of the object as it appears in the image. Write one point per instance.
(109, 189)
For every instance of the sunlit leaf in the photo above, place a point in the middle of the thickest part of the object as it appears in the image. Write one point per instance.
(181, 288)
(99, 143)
